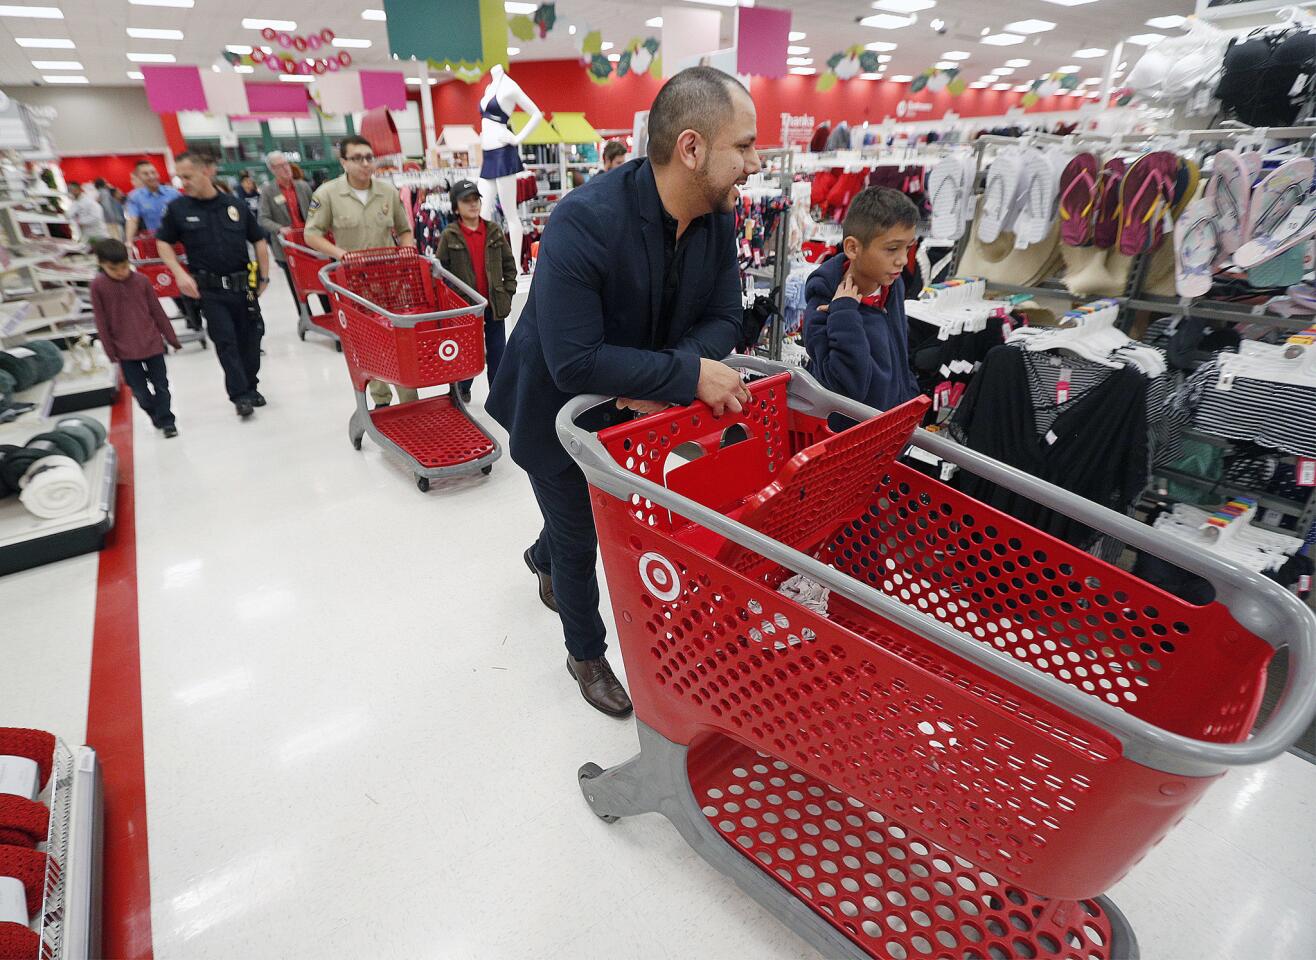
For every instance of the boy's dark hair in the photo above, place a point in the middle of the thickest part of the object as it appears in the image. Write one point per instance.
(697, 98)
(353, 140)
(876, 210)
(614, 148)
(100, 183)
(110, 251)
(142, 163)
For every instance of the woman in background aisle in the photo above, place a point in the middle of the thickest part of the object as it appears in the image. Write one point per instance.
(87, 213)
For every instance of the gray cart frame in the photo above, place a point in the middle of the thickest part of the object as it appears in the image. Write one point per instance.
(362, 422)
(656, 780)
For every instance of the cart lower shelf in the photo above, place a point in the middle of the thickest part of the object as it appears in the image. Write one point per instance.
(435, 432)
(849, 880)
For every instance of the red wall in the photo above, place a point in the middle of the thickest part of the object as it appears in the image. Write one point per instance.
(113, 167)
(564, 85)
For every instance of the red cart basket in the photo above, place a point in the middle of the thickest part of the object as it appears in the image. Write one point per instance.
(305, 265)
(404, 319)
(963, 731)
(145, 258)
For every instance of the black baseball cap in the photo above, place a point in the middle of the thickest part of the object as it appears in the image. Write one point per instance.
(462, 189)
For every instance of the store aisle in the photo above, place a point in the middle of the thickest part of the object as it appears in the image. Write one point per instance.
(360, 738)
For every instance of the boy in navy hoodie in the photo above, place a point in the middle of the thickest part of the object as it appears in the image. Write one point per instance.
(854, 319)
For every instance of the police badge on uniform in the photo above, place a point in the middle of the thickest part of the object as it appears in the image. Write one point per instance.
(233, 214)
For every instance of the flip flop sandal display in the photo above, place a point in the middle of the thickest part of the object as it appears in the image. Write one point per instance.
(1229, 191)
(1036, 201)
(1186, 186)
(1106, 227)
(1196, 247)
(1281, 270)
(1145, 198)
(1300, 226)
(998, 199)
(1078, 197)
(946, 190)
(1276, 196)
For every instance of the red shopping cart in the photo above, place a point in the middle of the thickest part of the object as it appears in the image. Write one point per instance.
(145, 258)
(963, 731)
(305, 265)
(404, 319)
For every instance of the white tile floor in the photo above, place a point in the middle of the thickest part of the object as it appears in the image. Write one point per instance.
(360, 738)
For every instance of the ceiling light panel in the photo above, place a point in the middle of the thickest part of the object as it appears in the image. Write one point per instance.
(1002, 39)
(901, 78)
(31, 13)
(1029, 26)
(1017, 63)
(136, 75)
(1069, 3)
(946, 65)
(1167, 23)
(44, 43)
(804, 71)
(1146, 39)
(886, 21)
(520, 7)
(152, 58)
(57, 64)
(794, 36)
(179, 4)
(654, 22)
(66, 78)
(1091, 53)
(1000, 86)
(904, 6)
(142, 33)
(955, 55)
(798, 51)
(1070, 68)
(351, 42)
(252, 23)
(880, 46)
(374, 14)
(799, 61)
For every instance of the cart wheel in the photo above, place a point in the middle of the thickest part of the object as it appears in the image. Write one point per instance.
(423, 484)
(338, 345)
(487, 470)
(587, 773)
(356, 443)
(301, 335)
(205, 344)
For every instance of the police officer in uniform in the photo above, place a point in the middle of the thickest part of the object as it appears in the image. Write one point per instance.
(215, 228)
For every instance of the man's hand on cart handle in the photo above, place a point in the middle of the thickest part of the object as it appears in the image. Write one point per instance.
(721, 387)
(187, 286)
(643, 407)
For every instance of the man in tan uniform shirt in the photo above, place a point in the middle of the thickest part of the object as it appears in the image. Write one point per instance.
(360, 212)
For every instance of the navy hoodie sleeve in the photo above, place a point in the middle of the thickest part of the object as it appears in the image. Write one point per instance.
(835, 339)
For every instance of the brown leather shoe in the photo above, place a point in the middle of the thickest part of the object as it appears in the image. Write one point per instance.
(545, 583)
(600, 686)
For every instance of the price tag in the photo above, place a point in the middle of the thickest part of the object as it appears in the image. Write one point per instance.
(1306, 472)
(1051, 438)
(1062, 386)
(1304, 583)
(947, 471)
(1225, 381)
(1272, 516)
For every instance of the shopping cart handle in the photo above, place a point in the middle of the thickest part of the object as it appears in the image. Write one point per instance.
(1258, 603)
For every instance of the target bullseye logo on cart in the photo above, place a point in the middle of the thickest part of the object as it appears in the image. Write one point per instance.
(342, 319)
(164, 279)
(660, 577)
(448, 351)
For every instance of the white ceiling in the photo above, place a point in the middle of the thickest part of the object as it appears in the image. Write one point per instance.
(98, 30)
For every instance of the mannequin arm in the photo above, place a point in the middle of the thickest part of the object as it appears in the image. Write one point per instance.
(528, 105)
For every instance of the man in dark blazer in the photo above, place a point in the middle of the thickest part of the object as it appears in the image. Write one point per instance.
(284, 202)
(636, 295)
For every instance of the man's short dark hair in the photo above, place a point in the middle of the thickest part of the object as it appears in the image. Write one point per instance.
(110, 251)
(352, 141)
(142, 163)
(100, 183)
(876, 210)
(201, 157)
(697, 98)
(613, 148)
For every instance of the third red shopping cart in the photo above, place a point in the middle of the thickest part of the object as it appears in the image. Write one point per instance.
(405, 320)
(305, 265)
(953, 732)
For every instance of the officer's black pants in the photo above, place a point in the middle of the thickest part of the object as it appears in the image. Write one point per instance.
(149, 383)
(236, 335)
(567, 550)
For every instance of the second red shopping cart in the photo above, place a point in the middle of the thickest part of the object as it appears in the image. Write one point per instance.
(145, 258)
(305, 265)
(405, 320)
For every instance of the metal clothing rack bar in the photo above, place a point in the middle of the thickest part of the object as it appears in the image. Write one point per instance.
(781, 267)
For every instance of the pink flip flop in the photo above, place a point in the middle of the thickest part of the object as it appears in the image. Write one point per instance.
(1145, 200)
(1078, 196)
(1106, 229)
(1230, 193)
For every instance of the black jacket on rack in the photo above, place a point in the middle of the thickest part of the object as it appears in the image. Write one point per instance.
(1096, 447)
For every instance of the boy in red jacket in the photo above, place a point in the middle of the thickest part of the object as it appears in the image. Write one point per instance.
(134, 330)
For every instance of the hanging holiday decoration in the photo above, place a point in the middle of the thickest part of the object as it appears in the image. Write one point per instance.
(935, 80)
(847, 64)
(525, 26)
(290, 63)
(638, 56)
(1049, 86)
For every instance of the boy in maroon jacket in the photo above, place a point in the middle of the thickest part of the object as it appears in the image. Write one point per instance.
(134, 330)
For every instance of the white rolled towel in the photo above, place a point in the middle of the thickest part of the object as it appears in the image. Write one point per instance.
(54, 487)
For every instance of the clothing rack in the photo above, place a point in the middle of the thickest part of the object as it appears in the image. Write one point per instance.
(779, 164)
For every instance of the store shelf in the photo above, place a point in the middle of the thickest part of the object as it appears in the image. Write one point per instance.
(69, 922)
(75, 390)
(1284, 505)
(27, 541)
(1218, 310)
(23, 263)
(41, 396)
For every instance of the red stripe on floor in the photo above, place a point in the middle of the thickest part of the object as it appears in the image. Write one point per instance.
(114, 718)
